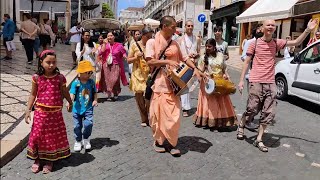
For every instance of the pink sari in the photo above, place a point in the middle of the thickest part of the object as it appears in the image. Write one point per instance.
(112, 74)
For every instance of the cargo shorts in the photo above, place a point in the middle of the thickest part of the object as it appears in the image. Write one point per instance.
(262, 97)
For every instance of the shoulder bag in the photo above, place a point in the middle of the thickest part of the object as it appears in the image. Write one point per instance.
(110, 58)
(152, 78)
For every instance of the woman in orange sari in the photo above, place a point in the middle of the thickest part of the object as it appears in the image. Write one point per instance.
(214, 110)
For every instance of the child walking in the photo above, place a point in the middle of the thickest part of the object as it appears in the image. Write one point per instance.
(48, 138)
(84, 94)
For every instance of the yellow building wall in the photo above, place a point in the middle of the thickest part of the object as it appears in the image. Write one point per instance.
(217, 3)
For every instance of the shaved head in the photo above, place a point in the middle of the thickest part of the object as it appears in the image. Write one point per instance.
(167, 20)
(268, 21)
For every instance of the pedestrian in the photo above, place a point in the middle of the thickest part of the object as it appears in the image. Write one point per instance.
(45, 34)
(48, 138)
(214, 110)
(245, 40)
(29, 31)
(84, 49)
(112, 67)
(263, 90)
(256, 33)
(84, 95)
(315, 37)
(75, 37)
(190, 48)
(288, 51)
(140, 72)
(165, 105)
(222, 46)
(98, 60)
(36, 44)
(8, 34)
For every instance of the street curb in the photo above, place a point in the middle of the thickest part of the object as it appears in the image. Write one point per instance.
(13, 143)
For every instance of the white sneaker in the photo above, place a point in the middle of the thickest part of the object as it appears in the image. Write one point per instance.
(86, 144)
(77, 146)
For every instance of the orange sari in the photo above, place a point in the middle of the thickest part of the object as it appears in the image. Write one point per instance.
(164, 106)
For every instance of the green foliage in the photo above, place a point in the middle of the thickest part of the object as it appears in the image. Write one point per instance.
(106, 11)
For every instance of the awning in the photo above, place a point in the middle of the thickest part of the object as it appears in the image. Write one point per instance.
(307, 8)
(43, 6)
(267, 9)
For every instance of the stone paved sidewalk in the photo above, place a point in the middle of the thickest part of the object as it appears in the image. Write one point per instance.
(16, 86)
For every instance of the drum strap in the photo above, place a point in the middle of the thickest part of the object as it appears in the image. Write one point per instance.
(156, 71)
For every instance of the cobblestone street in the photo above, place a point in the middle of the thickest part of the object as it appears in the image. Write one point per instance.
(122, 149)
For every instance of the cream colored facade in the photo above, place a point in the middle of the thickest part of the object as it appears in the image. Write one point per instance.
(182, 10)
(7, 8)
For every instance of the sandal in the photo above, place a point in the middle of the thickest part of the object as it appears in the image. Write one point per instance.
(260, 145)
(240, 134)
(47, 168)
(35, 168)
(158, 148)
(185, 114)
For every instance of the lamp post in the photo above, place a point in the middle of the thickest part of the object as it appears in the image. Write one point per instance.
(32, 1)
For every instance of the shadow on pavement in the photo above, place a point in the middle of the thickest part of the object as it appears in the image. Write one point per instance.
(120, 98)
(99, 143)
(193, 143)
(76, 159)
(306, 105)
(273, 140)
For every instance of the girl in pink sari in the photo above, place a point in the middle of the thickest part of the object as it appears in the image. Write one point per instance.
(112, 73)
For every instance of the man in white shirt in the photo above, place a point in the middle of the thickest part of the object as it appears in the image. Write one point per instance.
(190, 47)
(75, 37)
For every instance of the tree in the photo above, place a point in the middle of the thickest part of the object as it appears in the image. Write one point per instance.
(106, 11)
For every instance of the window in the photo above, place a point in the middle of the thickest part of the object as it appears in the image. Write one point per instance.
(207, 5)
(312, 55)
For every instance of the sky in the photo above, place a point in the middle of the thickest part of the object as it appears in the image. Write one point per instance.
(123, 4)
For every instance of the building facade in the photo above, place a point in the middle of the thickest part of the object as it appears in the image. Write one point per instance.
(131, 15)
(182, 11)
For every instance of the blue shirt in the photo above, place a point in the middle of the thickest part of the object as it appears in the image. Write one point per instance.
(84, 95)
(245, 48)
(8, 29)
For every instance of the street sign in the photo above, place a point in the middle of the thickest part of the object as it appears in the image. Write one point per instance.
(201, 18)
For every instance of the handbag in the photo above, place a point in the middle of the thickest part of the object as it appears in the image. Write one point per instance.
(152, 78)
(110, 58)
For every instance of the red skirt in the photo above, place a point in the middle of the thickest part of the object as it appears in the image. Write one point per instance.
(110, 79)
(48, 138)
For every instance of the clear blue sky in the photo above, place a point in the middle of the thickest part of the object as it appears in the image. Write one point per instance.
(123, 4)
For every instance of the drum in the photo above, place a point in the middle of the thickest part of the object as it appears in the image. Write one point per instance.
(210, 86)
(220, 86)
(181, 79)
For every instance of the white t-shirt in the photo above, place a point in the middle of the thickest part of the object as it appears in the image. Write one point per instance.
(87, 55)
(76, 37)
(223, 47)
(188, 44)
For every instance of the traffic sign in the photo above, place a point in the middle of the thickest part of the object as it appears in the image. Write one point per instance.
(201, 18)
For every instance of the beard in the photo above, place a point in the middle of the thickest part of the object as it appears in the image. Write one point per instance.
(258, 35)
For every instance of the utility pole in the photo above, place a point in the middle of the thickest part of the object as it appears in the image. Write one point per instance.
(79, 11)
(32, 1)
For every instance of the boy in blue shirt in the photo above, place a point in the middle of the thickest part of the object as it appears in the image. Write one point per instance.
(84, 94)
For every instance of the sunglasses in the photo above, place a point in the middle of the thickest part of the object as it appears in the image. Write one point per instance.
(89, 73)
(189, 25)
(216, 30)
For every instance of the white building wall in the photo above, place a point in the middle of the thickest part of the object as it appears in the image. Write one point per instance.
(130, 16)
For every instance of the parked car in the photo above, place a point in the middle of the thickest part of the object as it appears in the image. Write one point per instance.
(300, 75)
